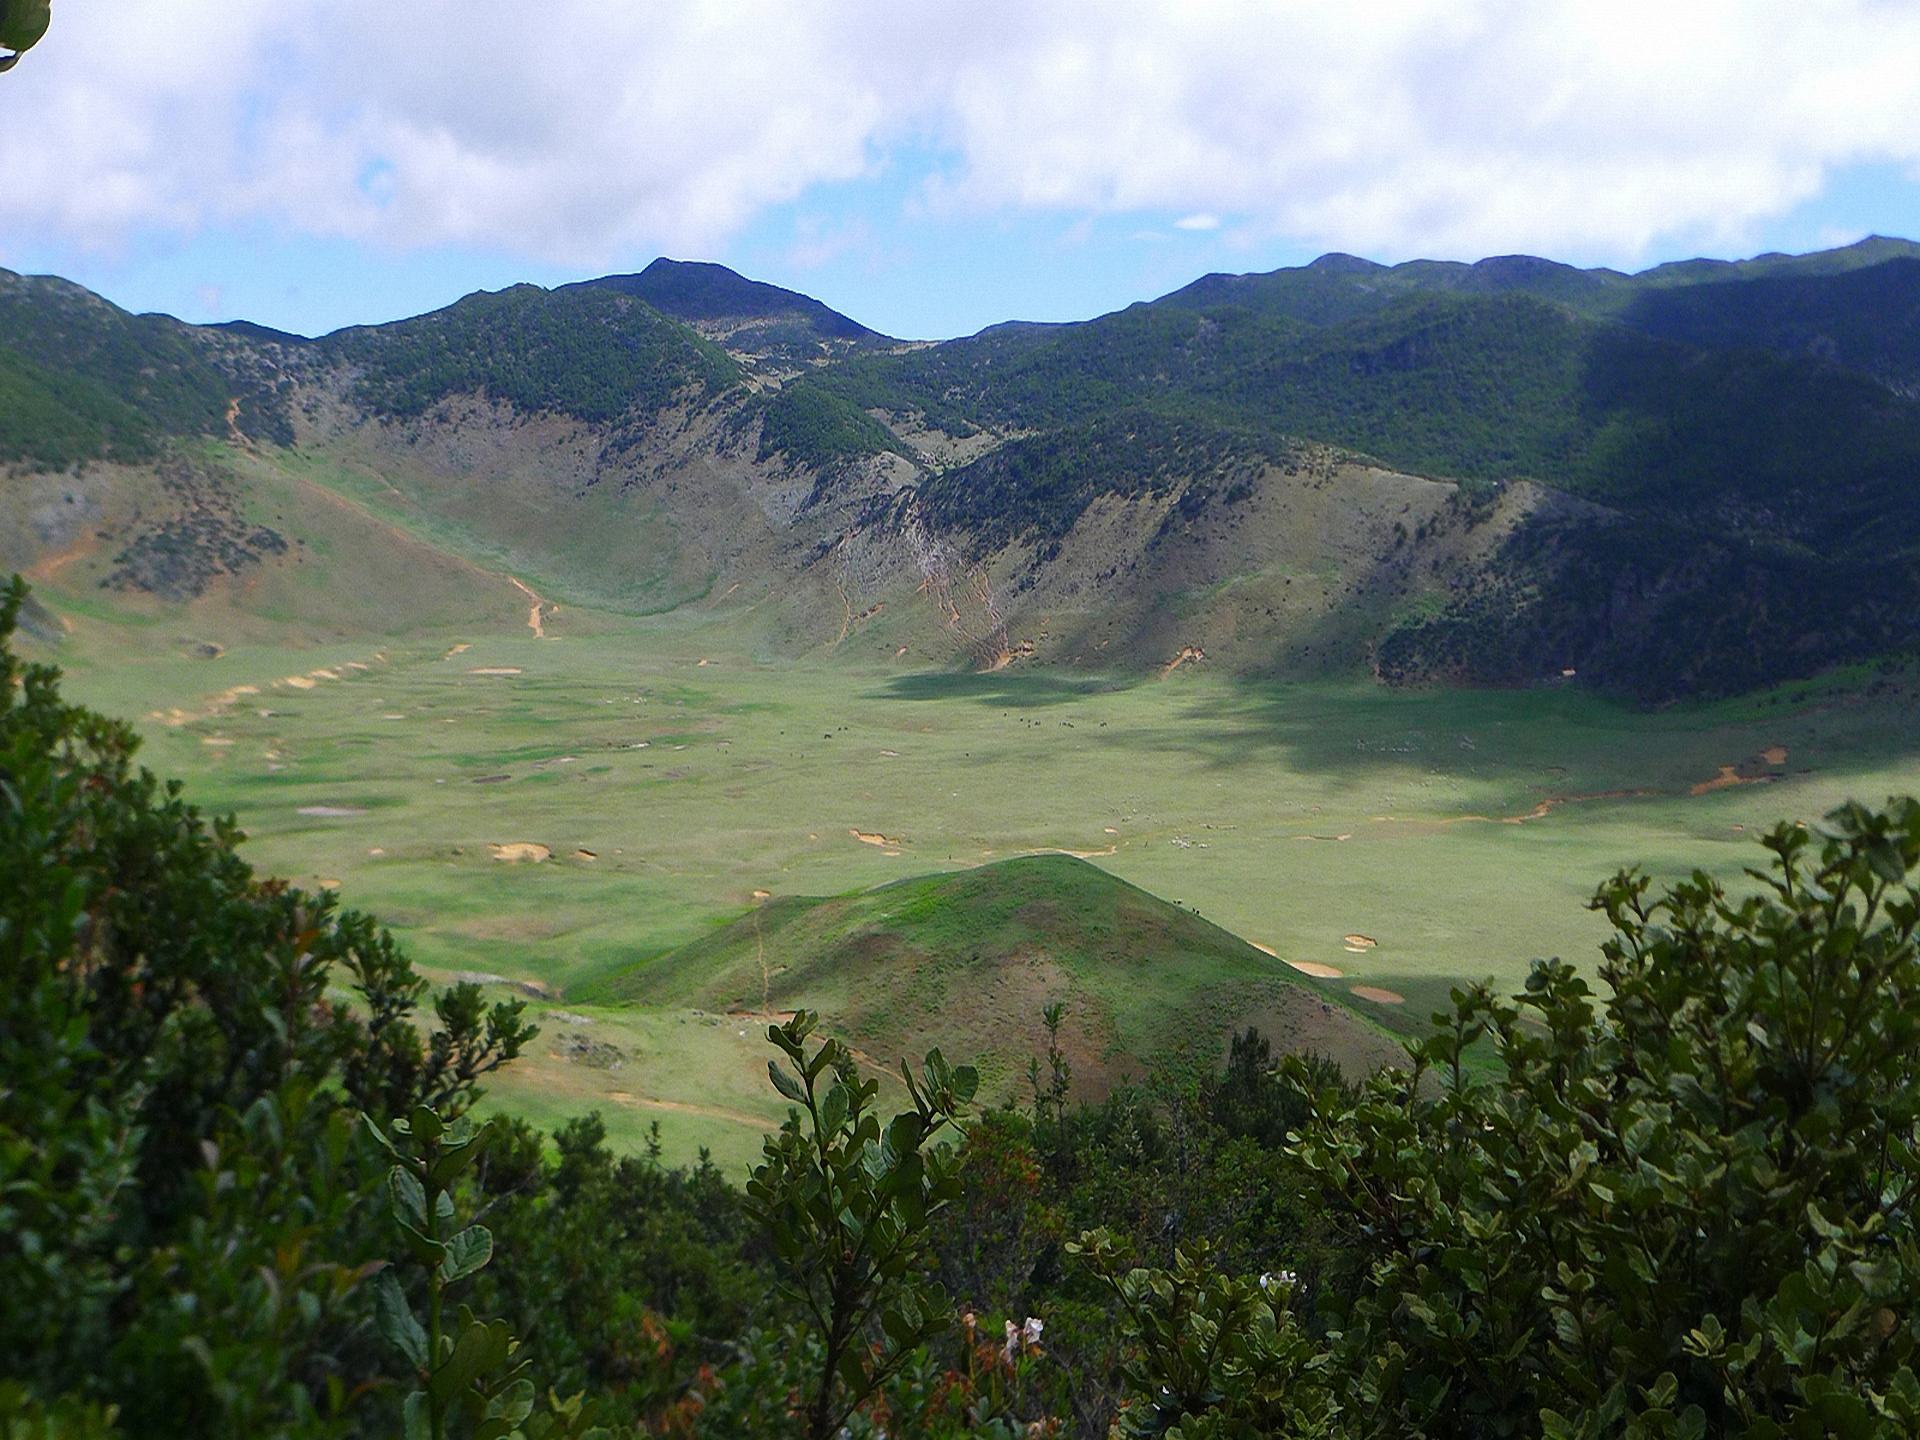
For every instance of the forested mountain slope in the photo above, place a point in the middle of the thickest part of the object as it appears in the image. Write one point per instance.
(1694, 480)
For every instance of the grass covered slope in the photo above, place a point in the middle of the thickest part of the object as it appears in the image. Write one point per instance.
(968, 960)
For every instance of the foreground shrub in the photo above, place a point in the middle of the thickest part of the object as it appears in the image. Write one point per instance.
(182, 1226)
(1685, 1210)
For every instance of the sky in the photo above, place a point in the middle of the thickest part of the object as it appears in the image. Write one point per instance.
(929, 168)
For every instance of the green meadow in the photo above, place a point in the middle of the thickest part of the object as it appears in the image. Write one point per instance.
(564, 814)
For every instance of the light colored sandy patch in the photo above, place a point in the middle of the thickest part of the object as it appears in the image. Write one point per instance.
(323, 673)
(495, 670)
(215, 742)
(901, 651)
(1364, 942)
(1189, 655)
(215, 704)
(328, 884)
(459, 649)
(1319, 971)
(1356, 949)
(1264, 949)
(586, 855)
(1377, 995)
(377, 851)
(763, 895)
(299, 682)
(875, 838)
(702, 664)
(332, 812)
(514, 851)
(393, 715)
(1774, 754)
(1110, 830)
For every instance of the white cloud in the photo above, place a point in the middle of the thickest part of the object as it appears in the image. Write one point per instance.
(590, 131)
(1201, 221)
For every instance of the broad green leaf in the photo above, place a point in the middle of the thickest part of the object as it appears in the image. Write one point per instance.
(395, 1322)
(467, 1252)
(785, 1083)
(409, 1198)
(415, 1417)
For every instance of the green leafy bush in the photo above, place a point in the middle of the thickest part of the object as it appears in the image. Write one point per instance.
(183, 1046)
(1686, 1210)
(850, 1210)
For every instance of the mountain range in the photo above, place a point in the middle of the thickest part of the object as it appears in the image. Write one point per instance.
(1699, 479)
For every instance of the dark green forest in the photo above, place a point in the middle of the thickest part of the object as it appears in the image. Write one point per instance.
(593, 355)
(242, 1191)
(83, 380)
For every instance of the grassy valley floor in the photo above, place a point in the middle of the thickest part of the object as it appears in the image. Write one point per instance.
(560, 811)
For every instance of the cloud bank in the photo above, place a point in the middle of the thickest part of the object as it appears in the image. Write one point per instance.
(577, 132)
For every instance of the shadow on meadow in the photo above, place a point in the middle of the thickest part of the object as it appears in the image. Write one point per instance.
(1027, 691)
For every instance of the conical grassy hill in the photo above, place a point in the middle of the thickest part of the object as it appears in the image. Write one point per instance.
(968, 959)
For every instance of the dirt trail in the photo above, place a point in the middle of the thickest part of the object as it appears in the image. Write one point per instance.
(534, 622)
(1189, 655)
(684, 1107)
(214, 705)
(1747, 772)
(1728, 776)
(760, 954)
(233, 422)
(846, 618)
(48, 566)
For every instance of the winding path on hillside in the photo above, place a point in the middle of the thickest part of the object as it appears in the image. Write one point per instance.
(534, 622)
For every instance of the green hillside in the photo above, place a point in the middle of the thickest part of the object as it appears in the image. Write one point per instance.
(969, 959)
(81, 379)
(595, 355)
(1720, 461)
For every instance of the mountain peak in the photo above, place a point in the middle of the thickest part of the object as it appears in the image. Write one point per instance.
(1338, 262)
(747, 315)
